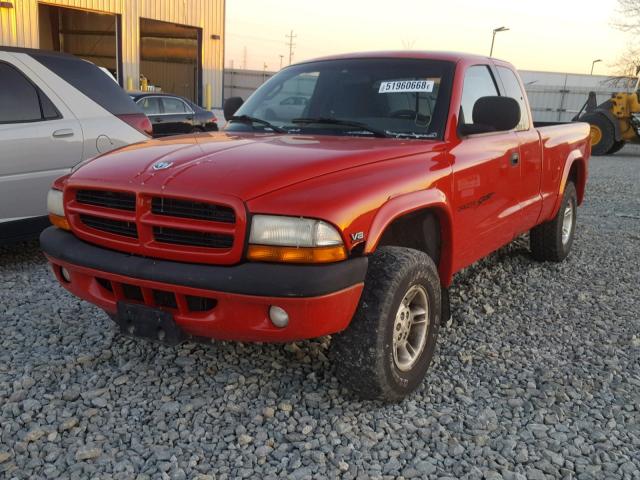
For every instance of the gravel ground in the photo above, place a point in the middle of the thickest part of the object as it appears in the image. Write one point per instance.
(537, 377)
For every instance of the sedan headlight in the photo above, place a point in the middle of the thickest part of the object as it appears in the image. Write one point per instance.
(294, 240)
(55, 207)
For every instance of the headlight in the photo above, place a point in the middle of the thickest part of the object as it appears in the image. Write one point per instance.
(294, 240)
(55, 207)
(54, 203)
(292, 232)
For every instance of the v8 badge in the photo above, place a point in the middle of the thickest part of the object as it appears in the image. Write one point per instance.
(357, 237)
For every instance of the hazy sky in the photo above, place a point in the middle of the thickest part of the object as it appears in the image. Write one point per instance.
(551, 35)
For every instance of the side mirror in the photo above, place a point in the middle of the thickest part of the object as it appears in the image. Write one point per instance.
(493, 114)
(231, 106)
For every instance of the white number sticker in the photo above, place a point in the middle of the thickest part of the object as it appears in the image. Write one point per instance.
(406, 86)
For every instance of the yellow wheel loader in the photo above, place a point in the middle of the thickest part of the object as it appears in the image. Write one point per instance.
(613, 123)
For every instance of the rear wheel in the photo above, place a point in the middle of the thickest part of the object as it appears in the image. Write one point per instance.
(386, 350)
(602, 133)
(617, 146)
(552, 241)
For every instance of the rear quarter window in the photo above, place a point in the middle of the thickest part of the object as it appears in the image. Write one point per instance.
(20, 100)
(91, 81)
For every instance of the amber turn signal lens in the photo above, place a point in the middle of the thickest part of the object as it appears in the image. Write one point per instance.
(265, 253)
(59, 222)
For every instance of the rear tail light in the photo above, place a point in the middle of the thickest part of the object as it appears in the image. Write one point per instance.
(139, 121)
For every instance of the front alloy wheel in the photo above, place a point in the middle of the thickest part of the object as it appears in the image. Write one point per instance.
(410, 328)
(385, 352)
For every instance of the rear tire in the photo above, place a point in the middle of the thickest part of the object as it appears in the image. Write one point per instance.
(617, 146)
(602, 133)
(552, 241)
(385, 352)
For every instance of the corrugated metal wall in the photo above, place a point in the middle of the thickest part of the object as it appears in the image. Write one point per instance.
(242, 83)
(557, 97)
(19, 27)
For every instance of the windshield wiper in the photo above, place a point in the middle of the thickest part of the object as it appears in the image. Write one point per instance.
(337, 121)
(249, 119)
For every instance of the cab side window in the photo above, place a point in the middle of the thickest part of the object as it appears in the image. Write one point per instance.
(513, 90)
(478, 82)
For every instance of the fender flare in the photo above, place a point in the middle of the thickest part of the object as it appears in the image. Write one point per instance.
(574, 156)
(396, 207)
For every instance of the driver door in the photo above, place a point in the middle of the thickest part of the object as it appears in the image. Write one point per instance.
(486, 179)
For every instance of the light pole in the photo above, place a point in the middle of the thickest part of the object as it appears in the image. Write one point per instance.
(593, 64)
(493, 38)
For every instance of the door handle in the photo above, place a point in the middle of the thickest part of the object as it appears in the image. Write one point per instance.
(515, 159)
(157, 120)
(189, 118)
(65, 132)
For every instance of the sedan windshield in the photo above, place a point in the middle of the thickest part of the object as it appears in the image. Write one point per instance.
(388, 97)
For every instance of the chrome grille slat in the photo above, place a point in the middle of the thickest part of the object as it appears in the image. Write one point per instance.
(117, 227)
(173, 207)
(192, 238)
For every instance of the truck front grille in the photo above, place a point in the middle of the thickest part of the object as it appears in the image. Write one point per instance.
(195, 230)
(117, 227)
(107, 199)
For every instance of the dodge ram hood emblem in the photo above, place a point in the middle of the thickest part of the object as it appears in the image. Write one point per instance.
(162, 165)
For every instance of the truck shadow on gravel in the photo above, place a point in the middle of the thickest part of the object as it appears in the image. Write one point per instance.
(246, 378)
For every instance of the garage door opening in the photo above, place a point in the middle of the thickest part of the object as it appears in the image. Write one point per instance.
(170, 59)
(89, 35)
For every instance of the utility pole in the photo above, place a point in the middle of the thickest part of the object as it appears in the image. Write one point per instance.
(291, 36)
(264, 72)
(244, 58)
(281, 58)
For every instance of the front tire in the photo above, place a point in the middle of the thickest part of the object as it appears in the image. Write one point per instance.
(552, 241)
(385, 352)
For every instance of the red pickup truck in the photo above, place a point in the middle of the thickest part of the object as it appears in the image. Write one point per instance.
(340, 199)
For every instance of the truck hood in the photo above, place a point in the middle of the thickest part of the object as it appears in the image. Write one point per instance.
(245, 166)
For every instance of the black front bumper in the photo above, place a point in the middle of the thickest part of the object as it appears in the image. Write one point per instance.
(262, 279)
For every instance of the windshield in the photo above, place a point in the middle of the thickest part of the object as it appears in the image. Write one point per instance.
(407, 98)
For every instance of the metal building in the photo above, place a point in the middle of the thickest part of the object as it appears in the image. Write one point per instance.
(175, 46)
(557, 97)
